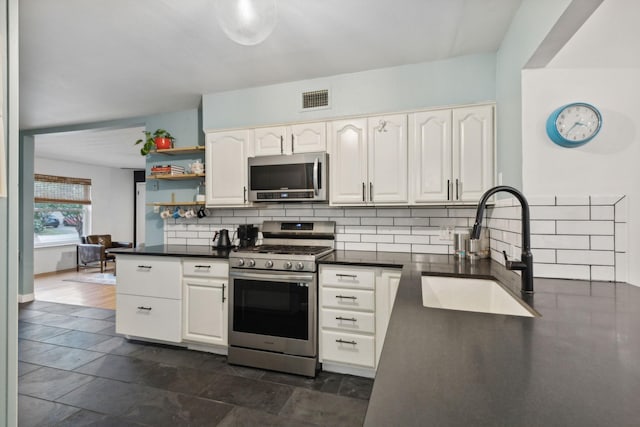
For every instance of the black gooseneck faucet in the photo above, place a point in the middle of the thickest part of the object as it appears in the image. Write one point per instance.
(526, 260)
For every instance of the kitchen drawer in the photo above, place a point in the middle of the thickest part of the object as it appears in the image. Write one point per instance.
(351, 299)
(148, 317)
(149, 276)
(204, 267)
(347, 277)
(355, 321)
(348, 348)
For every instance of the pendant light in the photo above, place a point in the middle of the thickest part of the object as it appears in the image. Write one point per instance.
(247, 22)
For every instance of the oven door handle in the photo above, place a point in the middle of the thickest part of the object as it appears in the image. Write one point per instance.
(315, 176)
(272, 275)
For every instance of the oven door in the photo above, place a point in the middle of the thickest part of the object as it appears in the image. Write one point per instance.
(273, 311)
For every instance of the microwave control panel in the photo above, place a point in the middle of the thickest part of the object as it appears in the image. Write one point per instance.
(283, 195)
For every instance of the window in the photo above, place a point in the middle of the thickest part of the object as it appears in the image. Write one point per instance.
(62, 208)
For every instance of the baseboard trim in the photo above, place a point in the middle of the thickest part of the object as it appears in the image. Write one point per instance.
(26, 297)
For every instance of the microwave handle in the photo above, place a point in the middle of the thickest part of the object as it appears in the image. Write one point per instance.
(315, 176)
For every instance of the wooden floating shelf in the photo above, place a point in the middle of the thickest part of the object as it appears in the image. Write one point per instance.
(177, 177)
(180, 150)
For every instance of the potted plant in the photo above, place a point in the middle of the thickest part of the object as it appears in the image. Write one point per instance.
(161, 139)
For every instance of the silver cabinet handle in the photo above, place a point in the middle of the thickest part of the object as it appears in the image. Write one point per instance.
(346, 297)
(371, 191)
(353, 276)
(316, 179)
(281, 146)
(223, 298)
(145, 267)
(448, 189)
(353, 319)
(144, 308)
(341, 341)
(457, 189)
(203, 266)
(363, 192)
(291, 143)
(244, 194)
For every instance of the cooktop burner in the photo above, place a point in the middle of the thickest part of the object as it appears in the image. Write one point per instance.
(286, 249)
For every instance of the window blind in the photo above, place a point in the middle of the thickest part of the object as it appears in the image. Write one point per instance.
(60, 189)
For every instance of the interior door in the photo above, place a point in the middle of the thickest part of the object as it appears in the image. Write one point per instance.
(141, 212)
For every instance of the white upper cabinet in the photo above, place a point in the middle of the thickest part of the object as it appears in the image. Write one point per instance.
(298, 138)
(226, 159)
(369, 160)
(473, 152)
(348, 161)
(452, 154)
(388, 159)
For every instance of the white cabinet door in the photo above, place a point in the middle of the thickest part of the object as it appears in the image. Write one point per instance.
(348, 170)
(226, 159)
(473, 152)
(270, 141)
(148, 317)
(387, 168)
(430, 153)
(307, 138)
(205, 310)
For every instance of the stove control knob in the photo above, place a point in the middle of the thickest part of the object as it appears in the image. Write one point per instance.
(252, 263)
(268, 264)
(299, 266)
(288, 265)
(240, 262)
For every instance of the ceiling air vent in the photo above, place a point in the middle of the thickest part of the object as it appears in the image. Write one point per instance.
(315, 99)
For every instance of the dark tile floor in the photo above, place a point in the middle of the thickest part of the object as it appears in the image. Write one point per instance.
(74, 370)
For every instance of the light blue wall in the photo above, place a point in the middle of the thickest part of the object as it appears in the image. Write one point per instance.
(529, 27)
(185, 127)
(461, 80)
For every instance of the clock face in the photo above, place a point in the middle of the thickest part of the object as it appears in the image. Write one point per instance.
(574, 124)
(578, 122)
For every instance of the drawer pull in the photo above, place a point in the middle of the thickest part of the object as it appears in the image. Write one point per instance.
(203, 266)
(353, 319)
(223, 298)
(144, 308)
(146, 267)
(341, 341)
(353, 276)
(346, 297)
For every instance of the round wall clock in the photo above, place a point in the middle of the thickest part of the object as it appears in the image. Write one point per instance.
(574, 124)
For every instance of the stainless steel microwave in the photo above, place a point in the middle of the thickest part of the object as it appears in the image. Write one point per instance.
(296, 177)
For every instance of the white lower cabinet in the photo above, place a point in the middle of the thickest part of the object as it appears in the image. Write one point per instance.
(148, 297)
(204, 301)
(355, 305)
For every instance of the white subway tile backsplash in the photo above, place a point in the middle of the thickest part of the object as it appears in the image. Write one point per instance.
(197, 242)
(544, 255)
(349, 246)
(602, 243)
(604, 228)
(376, 221)
(431, 231)
(360, 229)
(346, 220)
(462, 213)
(221, 212)
(429, 212)
(607, 274)
(543, 227)
(602, 213)
(621, 236)
(572, 200)
(299, 212)
(377, 238)
(329, 211)
(586, 257)
(392, 247)
(394, 230)
(394, 213)
(622, 268)
(541, 200)
(605, 200)
(348, 237)
(621, 211)
(452, 222)
(430, 249)
(560, 212)
(559, 242)
(561, 271)
(411, 221)
(187, 234)
(360, 213)
(246, 212)
(412, 239)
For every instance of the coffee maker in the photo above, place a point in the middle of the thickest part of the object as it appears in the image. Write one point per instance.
(247, 235)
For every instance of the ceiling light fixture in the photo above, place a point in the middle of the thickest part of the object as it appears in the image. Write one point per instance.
(247, 22)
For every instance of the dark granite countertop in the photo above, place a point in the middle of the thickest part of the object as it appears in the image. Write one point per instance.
(174, 250)
(576, 365)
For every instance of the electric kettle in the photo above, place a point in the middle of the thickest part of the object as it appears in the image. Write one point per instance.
(223, 240)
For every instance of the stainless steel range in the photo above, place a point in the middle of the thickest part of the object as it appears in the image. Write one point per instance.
(273, 301)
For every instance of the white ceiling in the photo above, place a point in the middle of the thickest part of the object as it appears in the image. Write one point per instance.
(85, 61)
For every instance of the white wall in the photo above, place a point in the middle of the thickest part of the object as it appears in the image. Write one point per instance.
(112, 197)
(606, 165)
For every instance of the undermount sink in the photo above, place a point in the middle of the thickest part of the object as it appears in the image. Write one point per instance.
(465, 294)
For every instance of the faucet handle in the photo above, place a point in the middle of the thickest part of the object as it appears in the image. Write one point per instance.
(506, 260)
